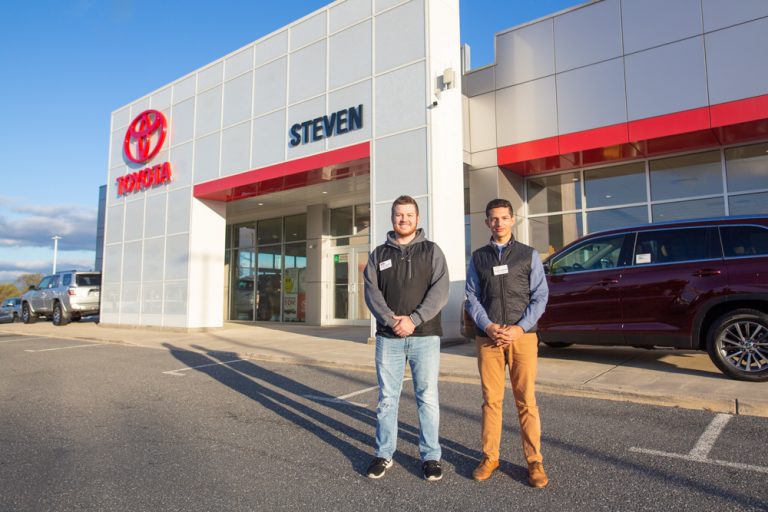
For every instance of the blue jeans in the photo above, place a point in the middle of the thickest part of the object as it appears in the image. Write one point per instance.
(423, 354)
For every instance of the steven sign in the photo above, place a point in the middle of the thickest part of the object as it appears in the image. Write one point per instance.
(343, 121)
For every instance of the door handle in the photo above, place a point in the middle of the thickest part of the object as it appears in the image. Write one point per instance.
(606, 282)
(708, 272)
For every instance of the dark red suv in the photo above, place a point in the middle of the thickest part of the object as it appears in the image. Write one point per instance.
(699, 284)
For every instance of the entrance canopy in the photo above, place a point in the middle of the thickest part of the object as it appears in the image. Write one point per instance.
(301, 172)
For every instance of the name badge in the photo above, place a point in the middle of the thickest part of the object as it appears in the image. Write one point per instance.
(500, 269)
(384, 265)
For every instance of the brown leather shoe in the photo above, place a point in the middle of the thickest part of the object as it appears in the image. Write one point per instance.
(485, 469)
(537, 477)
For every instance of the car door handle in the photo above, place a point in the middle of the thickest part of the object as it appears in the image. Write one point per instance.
(708, 272)
(606, 282)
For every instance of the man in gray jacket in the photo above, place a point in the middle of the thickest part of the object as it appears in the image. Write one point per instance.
(406, 286)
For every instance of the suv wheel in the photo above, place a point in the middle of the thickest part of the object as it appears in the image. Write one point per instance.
(59, 317)
(26, 314)
(16, 318)
(738, 344)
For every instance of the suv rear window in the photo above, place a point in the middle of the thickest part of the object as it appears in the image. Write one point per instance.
(88, 279)
(741, 241)
(675, 245)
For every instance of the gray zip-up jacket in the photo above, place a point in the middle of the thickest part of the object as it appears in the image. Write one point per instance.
(410, 280)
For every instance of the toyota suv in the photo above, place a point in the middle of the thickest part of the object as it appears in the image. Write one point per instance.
(64, 296)
(699, 284)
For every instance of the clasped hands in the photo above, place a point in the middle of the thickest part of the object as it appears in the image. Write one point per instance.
(504, 334)
(403, 325)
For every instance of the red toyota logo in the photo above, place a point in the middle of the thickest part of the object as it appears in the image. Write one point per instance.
(148, 131)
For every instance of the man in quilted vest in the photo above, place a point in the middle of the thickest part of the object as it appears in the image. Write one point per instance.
(406, 286)
(506, 295)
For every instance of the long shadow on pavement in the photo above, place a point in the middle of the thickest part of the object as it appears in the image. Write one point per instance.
(253, 381)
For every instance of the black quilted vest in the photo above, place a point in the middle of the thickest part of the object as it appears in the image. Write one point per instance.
(505, 296)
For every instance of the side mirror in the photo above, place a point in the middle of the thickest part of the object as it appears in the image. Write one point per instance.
(546, 267)
(32, 287)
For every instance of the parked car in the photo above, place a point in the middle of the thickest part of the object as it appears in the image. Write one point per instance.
(64, 296)
(10, 311)
(699, 284)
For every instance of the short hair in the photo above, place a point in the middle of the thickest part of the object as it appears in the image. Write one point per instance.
(498, 203)
(404, 200)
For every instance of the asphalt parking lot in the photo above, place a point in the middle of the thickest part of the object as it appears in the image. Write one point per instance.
(93, 426)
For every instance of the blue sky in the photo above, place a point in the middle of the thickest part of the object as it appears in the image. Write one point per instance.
(67, 64)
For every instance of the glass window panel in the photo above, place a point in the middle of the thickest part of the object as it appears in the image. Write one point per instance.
(747, 167)
(341, 221)
(269, 283)
(673, 245)
(362, 218)
(554, 232)
(602, 220)
(244, 235)
(748, 204)
(744, 240)
(554, 193)
(242, 289)
(615, 185)
(596, 254)
(294, 292)
(296, 227)
(681, 210)
(686, 176)
(269, 231)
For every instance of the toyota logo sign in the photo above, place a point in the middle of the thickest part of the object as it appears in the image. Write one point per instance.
(145, 136)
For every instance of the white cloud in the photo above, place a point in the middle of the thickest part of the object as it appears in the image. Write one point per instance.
(34, 225)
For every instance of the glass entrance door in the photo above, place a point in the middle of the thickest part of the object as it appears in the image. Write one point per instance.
(347, 299)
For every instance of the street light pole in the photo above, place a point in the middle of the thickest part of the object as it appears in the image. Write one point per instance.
(56, 239)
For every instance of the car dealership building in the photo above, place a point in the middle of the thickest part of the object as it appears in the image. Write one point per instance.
(253, 188)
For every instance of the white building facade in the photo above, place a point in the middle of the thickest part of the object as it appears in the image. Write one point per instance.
(264, 178)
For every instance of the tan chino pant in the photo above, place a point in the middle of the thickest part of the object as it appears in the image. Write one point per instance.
(521, 358)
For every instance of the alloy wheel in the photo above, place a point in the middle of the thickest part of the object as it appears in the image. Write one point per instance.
(744, 345)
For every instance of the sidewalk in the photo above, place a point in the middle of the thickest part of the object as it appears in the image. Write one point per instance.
(662, 377)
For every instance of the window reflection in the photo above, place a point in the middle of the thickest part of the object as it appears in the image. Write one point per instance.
(681, 210)
(561, 192)
(611, 186)
(602, 220)
(747, 168)
(748, 204)
(553, 232)
(686, 176)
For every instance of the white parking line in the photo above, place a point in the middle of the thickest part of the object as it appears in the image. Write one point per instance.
(20, 338)
(66, 348)
(343, 398)
(177, 373)
(703, 446)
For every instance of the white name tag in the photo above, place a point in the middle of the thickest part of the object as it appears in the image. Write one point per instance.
(384, 265)
(500, 269)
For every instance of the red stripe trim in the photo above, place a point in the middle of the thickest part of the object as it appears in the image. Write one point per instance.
(596, 138)
(678, 123)
(669, 124)
(217, 188)
(528, 150)
(740, 111)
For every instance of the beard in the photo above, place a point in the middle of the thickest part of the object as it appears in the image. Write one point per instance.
(404, 231)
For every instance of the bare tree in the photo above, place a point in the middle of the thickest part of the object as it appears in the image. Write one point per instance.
(8, 290)
(27, 280)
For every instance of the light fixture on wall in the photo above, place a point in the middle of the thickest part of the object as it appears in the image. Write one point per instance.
(443, 82)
